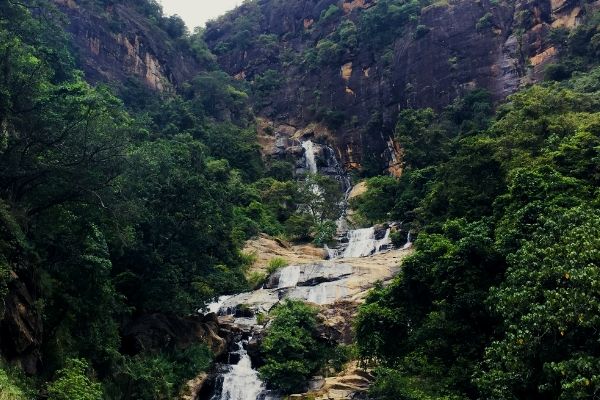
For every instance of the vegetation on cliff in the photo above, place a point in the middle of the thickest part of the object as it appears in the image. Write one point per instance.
(500, 299)
(118, 202)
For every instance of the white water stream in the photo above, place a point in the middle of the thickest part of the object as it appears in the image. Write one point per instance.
(309, 154)
(362, 243)
(241, 382)
(322, 283)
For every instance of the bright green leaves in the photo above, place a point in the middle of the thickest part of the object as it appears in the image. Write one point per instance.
(73, 383)
(550, 304)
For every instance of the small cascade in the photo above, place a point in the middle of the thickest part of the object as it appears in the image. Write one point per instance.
(409, 242)
(309, 155)
(241, 381)
(363, 243)
(215, 306)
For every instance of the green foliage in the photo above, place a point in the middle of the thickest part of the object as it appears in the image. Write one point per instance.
(324, 232)
(377, 202)
(159, 376)
(256, 280)
(290, 347)
(515, 273)
(329, 14)
(551, 310)
(12, 388)
(391, 385)
(276, 264)
(107, 212)
(421, 31)
(381, 24)
(265, 85)
(73, 383)
(485, 22)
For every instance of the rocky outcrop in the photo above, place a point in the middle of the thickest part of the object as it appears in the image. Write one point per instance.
(117, 43)
(21, 327)
(265, 248)
(160, 331)
(451, 48)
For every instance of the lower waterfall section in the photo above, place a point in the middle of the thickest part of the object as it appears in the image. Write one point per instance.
(240, 381)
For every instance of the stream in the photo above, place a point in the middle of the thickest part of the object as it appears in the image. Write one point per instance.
(352, 269)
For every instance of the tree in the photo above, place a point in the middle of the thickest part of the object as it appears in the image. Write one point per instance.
(292, 352)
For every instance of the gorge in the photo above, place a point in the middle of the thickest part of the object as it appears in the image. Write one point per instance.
(304, 199)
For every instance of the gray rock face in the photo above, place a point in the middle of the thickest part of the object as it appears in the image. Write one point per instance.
(470, 44)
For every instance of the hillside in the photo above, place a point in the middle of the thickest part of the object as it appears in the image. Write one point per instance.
(352, 65)
(382, 199)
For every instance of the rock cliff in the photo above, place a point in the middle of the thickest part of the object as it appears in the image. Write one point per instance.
(118, 41)
(327, 61)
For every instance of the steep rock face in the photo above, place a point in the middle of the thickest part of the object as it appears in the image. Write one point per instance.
(21, 327)
(445, 50)
(159, 331)
(117, 43)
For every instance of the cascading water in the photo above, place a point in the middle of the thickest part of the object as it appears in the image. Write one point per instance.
(409, 242)
(241, 381)
(309, 155)
(363, 243)
(322, 283)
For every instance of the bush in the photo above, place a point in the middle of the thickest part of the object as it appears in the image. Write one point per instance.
(73, 383)
(485, 22)
(160, 376)
(325, 232)
(330, 13)
(11, 388)
(391, 385)
(256, 280)
(276, 264)
(421, 31)
(298, 226)
(292, 353)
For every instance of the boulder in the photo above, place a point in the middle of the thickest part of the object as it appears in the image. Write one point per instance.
(159, 331)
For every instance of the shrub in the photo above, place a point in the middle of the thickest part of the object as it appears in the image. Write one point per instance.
(256, 280)
(485, 22)
(330, 13)
(73, 383)
(292, 353)
(324, 232)
(421, 31)
(10, 388)
(276, 264)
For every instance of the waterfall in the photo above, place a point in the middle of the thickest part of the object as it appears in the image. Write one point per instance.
(409, 242)
(289, 276)
(309, 154)
(241, 382)
(216, 305)
(362, 243)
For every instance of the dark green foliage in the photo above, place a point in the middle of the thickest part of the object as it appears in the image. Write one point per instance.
(485, 22)
(437, 301)
(158, 376)
(499, 303)
(421, 31)
(381, 24)
(377, 203)
(291, 349)
(106, 213)
(329, 14)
